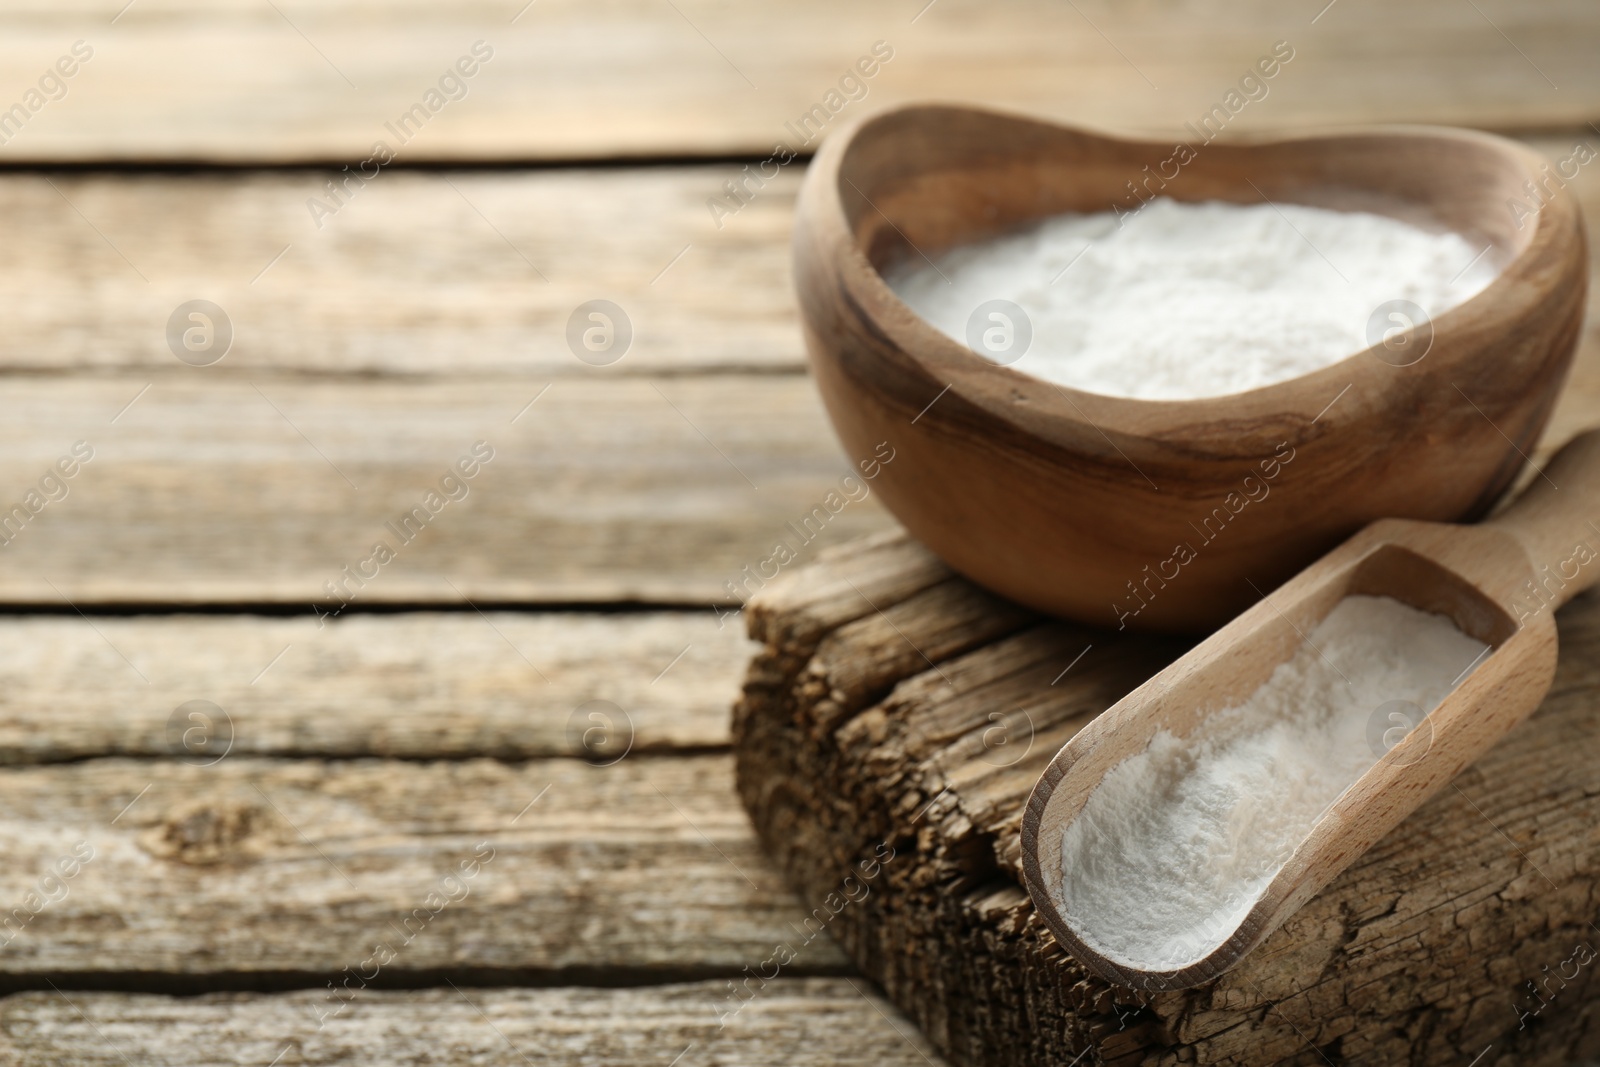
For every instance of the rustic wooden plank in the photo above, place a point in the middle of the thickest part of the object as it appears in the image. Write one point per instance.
(449, 293)
(508, 685)
(244, 82)
(441, 274)
(818, 1021)
(253, 492)
(1419, 953)
(655, 512)
(265, 870)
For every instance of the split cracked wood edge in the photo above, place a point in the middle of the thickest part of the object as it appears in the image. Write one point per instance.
(1418, 953)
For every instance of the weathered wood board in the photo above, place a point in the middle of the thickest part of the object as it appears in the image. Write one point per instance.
(813, 1022)
(367, 758)
(414, 685)
(247, 492)
(105, 258)
(293, 82)
(249, 873)
(1418, 954)
(235, 483)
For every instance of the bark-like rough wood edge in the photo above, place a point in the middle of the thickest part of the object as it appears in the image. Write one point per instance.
(1420, 953)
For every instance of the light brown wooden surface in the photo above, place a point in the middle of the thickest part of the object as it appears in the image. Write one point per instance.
(235, 491)
(201, 492)
(1417, 953)
(258, 869)
(243, 82)
(601, 490)
(805, 1022)
(509, 255)
(352, 300)
(508, 685)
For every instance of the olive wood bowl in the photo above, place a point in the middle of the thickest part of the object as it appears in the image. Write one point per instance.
(1174, 515)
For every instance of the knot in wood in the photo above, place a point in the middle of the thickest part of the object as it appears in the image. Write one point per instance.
(213, 832)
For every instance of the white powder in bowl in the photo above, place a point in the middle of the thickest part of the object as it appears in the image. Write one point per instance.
(1179, 841)
(1188, 300)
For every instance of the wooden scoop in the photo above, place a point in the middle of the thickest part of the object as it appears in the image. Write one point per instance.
(1500, 582)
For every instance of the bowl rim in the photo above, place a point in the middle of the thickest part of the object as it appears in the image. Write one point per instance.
(1281, 410)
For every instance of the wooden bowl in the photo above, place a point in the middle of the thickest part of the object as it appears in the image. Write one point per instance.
(1173, 515)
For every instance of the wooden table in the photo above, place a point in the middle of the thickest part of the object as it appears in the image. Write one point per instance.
(470, 799)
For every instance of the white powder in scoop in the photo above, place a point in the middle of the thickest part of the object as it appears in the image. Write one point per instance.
(1189, 300)
(1178, 842)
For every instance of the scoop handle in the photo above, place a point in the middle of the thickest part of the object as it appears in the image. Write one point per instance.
(1557, 519)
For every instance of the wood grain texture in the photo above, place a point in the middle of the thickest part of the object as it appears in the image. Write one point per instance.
(1418, 953)
(248, 492)
(1578, 407)
(604, 491)
(243, 82)
(508, 685)
(265, 870)
(432, 274)
(447, 292)
(806, 1022)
